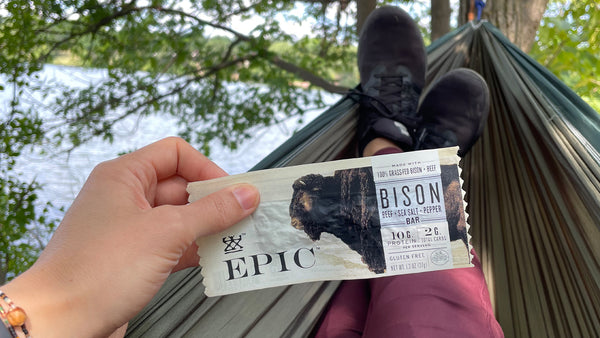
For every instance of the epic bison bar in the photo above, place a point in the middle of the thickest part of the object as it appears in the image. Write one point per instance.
(360, 218)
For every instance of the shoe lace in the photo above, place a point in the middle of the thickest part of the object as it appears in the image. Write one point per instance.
(397, 99)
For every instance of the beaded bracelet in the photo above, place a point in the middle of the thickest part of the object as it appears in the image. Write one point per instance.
(14, 316)
(10, 328)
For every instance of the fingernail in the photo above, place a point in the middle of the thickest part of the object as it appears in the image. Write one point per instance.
(246, 196)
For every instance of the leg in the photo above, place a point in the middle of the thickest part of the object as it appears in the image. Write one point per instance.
(346, 313)
(432, 304)
(348, 308)
(380, 146)
(448, 303)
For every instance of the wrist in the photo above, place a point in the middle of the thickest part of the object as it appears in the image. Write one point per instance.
(38, 304)
(52, 310)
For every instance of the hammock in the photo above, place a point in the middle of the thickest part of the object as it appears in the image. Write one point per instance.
(533, 187)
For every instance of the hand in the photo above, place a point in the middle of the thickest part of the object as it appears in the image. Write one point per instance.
(126, 231)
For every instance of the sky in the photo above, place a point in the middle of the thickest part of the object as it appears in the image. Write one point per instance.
(417, 9)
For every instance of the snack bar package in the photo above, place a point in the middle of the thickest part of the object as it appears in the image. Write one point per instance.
(349, 219)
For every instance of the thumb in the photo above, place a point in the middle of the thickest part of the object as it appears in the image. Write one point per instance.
(221, 209)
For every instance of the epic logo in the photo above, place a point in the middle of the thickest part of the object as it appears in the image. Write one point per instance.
(240, 267)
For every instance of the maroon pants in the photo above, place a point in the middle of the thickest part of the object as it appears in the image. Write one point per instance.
(447, 303)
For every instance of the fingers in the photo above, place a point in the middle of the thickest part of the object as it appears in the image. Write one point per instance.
(173, 156)
(223, 209)
(171, 191)
(213, 213)
(168, 165)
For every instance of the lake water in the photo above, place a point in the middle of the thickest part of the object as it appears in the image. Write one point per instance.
(62, 174)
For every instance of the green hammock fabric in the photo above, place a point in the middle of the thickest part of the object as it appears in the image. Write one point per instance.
(533, 187)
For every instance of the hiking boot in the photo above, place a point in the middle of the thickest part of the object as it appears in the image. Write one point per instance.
(454, 111)
(392, 63)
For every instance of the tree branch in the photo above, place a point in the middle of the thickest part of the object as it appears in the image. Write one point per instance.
(198, 20)
(230, 50)
(275, 60)
(90, 29)
(298, 71)
(240, 10)
(308, 76)
(554, 55)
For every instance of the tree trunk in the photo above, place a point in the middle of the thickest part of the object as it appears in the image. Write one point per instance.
(517, 19)
(363, 9)
(440, 18)
(464, 11)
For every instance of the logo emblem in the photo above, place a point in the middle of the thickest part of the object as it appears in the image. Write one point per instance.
(440, 257)
(232, 244)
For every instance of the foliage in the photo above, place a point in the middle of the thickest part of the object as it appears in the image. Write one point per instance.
(23, 229)
(167, 57)
(183, 59)
(568, 44)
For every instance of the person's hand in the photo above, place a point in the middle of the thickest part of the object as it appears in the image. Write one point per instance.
(126, 231)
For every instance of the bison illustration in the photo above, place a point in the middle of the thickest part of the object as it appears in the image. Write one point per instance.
(344, 205)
